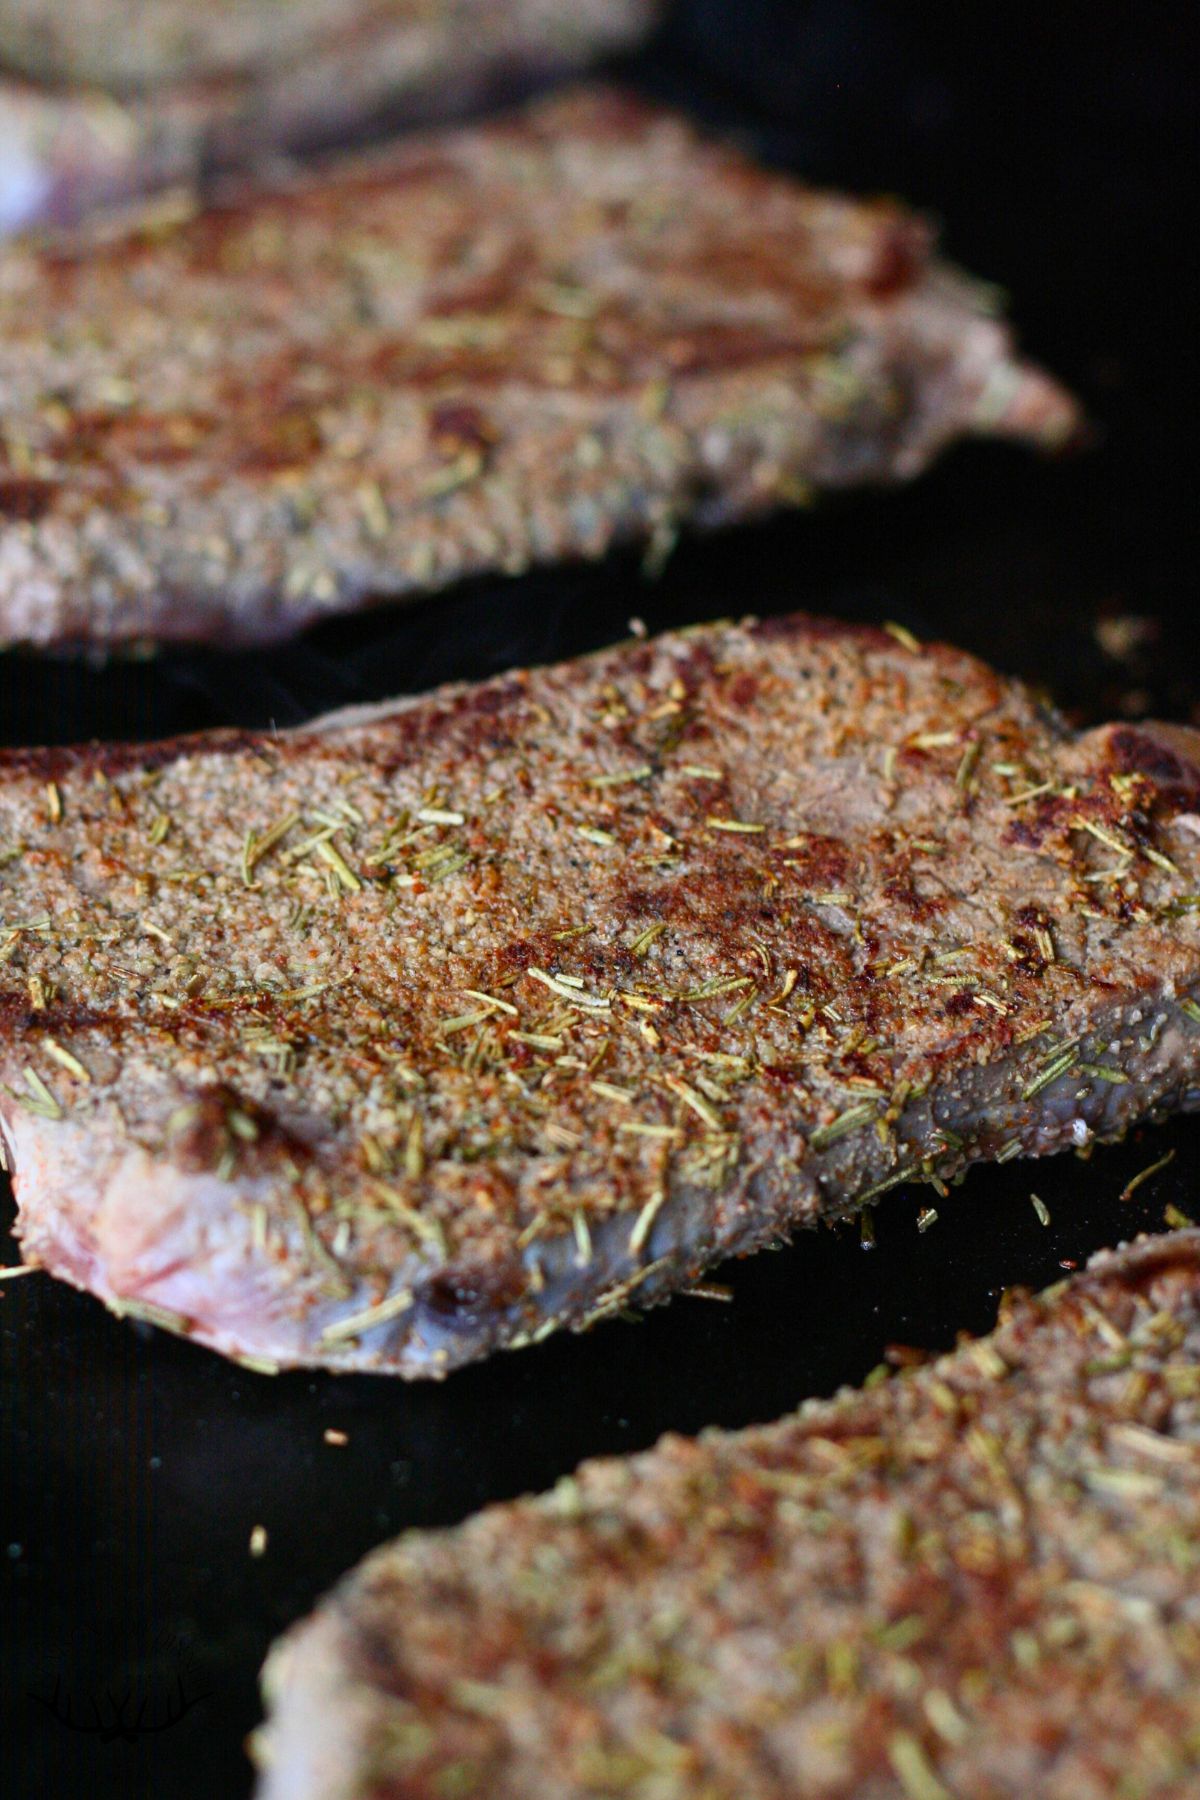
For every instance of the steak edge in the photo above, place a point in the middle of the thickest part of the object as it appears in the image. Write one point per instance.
(976, 1578)
(493, 347)
(431, 1027)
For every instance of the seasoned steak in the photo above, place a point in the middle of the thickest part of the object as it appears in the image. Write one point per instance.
(100, 102)
(976, 1579)
(427, 1029)
(500, 346)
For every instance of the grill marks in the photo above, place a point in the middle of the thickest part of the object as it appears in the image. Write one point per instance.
(579, 326)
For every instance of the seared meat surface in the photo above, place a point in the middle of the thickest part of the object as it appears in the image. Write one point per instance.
(491, 348)
(424, 1030)
(101, 102)
(977, 1579)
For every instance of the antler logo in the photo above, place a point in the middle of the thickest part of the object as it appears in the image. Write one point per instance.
(118, 1718)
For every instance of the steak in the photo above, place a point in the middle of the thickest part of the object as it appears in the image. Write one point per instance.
(977, 1578)
(99, 105)
(429, 1028)
(500, 346)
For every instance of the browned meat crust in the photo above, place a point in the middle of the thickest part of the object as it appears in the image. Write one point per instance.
(417, 1032)
(100, 103)
(975, 1579)
(491, 348)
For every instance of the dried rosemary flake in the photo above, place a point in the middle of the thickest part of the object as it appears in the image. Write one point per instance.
(355, 1324)
(1103, 1072)
(1191, 1010)
(1176, 1218)
(903, 636)
(536, 1040)
(637, 1128)
(491, 1000)
(744, 825)
(642, 773)
(15, 1269)
(644, 1223)
(64, 1058)
(1030, 793)
(1131, 1187)
(150, 1313)
(701, 772)
(583, 1239)
(436, 815)
(914, 1771)
(933, 740)
(1101, 836)
(1132, 1484)
(39, 1099)
(54, 805)
(691, 1098)
(1040, 1208)
(258, 1540)
(1159, 860)
(565, 988)
(594, 835)
(611, 1092)
(1058, 1066)
(926, 1217)
(341, 868)
(966, 768)
(255, 848)
(414, 1150)
(851, 1120)
(643, 941)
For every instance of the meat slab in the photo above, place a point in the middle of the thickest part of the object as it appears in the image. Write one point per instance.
(495, 347)
(427, 1029)
(100, 103)
(976, 1579)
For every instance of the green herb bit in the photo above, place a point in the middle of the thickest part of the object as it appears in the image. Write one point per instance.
(851, 1120)
(355, 1324)
(642, 773)
(254, 849)
(39, 1099)
(1059, 1066)
(903, 636)
(1147, 1174)
(341, 868)
(64, 1058)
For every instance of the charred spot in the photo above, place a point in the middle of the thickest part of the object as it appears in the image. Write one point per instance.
(26, 497)
(456, 426)
(466, 1293)
(743, 689)
(285, 439)
(961, 1006)
(1138, 753)
(900, 255)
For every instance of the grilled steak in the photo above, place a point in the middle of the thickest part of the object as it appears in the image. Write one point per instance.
(504, 345)
(426, 1029)
(975, 1579)
(100, 104)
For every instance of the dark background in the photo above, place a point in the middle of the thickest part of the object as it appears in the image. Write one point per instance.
(1055, 144)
